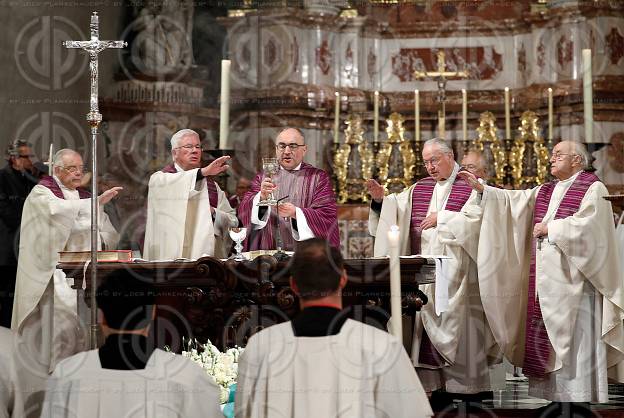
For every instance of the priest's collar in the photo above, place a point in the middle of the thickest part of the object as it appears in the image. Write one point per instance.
(62, 186)
(177, 167)
(571, 178)
(294, 169)
(451, 178)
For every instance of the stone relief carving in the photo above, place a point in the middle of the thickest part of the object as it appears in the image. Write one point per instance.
(615, 46)
(163, 43)
(481, 63)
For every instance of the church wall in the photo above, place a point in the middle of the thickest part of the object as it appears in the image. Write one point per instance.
(527, 52)
(44, 87)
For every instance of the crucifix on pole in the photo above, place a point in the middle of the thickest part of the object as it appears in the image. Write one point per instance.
(93, 47)
(441, 78)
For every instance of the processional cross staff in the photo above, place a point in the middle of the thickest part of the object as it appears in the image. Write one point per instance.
(441, 78)
(93, 47)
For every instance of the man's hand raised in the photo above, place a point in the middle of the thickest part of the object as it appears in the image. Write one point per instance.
(216, 167)
(108, 195)
(376, 190)
(471, 179)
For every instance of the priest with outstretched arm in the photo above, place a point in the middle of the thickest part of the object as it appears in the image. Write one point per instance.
(453, 346)
(56, 217)
(309, 206)
(188, 215)
(557, 310)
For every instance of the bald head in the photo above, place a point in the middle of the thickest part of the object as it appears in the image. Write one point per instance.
(568, 158)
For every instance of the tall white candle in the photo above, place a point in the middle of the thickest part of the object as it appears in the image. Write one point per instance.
(376, 116)
(465, 114)
(337, 119)
(51, 160)
(588, 96)
(550, 114)
(396, 328)
(224, 117)
(507, 115)
(417, 115)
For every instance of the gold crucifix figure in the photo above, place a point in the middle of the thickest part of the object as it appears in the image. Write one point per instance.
(441, 77)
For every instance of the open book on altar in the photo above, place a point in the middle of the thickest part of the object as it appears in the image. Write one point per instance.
(104, 256)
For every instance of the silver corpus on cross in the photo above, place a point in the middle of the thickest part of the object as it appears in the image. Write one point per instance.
(93, 47)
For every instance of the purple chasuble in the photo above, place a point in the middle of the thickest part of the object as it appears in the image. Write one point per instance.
(421, 199)
(537, 346)
(309, 189)
(213, 194)
(50, 183)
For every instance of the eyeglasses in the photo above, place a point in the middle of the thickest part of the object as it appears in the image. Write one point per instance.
(190, 147)
(432, 162)
(470, 167)
(559, 155)
(73, 169)
(293, 147)
(26, 156)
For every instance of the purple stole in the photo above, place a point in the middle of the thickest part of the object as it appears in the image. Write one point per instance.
(310, 189)
(213, 194)
(50, 183)
(537, 344)
(421, 199)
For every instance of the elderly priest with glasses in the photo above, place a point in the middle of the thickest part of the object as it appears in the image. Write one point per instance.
(548, 257)
(453, 346)
(307, 207)
(56, 217)
(188, 215)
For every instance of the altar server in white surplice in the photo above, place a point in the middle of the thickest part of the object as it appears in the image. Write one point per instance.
(453, 347)
(188, 215)
(127, 376)
(11, 392)
(322, 364)
(548, 259)
(56, 217)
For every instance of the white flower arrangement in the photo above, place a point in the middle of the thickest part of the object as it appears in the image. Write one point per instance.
(222, 367)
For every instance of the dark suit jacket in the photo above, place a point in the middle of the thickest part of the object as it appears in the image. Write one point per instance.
(14, 188)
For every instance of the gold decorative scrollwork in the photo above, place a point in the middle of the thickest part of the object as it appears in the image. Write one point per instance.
(529, 156)
(487, 135)
(353, 163)
(396, 159)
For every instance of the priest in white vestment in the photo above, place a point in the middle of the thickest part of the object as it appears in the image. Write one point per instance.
(188, 215)
(551, 279)
(127, 376)
(322, 364)
(453, 346)
(56, 217)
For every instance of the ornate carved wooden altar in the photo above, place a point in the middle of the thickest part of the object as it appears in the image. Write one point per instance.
(229, 301)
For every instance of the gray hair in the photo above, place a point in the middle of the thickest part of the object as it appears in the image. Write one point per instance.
(175, 139)
(12, 149)
(58, 157)
(441, 143)
(578, 148)
(581, 150)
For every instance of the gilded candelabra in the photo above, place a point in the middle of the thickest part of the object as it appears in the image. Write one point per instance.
(353, 163)
(396, 160)
(491, 146)
(528, 156)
